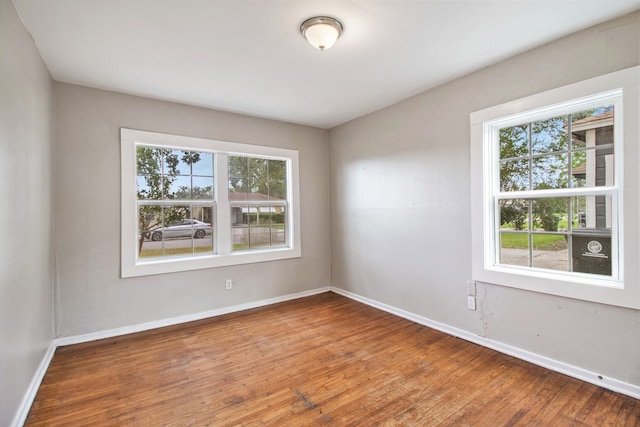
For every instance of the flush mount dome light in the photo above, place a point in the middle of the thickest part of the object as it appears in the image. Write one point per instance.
(321, 31)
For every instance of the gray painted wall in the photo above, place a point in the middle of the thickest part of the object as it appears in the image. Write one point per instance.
(26, 216)
(400, 209)
(90, 295)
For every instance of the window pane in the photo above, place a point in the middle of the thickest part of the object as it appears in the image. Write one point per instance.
(578, 169)
(204, 166)
(278, 170)
(149, 217)
(548, 212)
(187, 160)
(148, 160)
(514, 175)
(170, 230)
(171, 234)
(258, 178)
(550, 171)
(591, 251)
(149, 187)
(592, 127)
(237, 189)
(238, 167)
(277, 180)
(172, 181)
(202, 188)
(514, 214)
(593, 167)
(178, 162)
(172, 165)
(592, 212)
(550, 251)
(203, 229)
(149, 178)
(258, 226)
(240, 227)
(550, 135)
(277, 190)
(177, 187)
(514, 142)
(514, 248)
(278, 226)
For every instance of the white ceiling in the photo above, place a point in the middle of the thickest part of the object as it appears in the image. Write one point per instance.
(247, 56)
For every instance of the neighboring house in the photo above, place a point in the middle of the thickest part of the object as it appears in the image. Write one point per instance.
(241, 215)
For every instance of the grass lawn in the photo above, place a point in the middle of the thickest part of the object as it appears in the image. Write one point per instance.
(544, 242)
(149, 253)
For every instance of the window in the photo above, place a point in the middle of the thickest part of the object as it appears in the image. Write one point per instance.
(257, 194)
(549, 188)
(553, 201)
(175, 202)
(190, 203)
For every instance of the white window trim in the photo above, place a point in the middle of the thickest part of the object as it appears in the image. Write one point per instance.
(621, 290)
(131, 266)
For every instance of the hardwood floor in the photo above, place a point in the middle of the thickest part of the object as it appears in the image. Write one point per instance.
(321, 360)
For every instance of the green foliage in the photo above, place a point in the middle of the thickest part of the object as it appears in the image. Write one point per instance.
(514, 212)
(537, 152)
(196, 193)
(257, 175)
(549, 210)
(265, 218)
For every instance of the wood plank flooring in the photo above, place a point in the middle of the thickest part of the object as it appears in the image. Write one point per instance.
(321, 360)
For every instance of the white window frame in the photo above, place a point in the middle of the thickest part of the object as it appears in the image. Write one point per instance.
(132, 266)
(619, 88)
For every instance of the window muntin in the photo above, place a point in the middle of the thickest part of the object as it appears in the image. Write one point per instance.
(561, 167)
(175, 189)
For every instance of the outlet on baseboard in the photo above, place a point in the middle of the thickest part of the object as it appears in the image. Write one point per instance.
(228, 284)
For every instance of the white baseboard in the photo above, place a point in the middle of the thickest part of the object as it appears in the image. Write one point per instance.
(32, 390)
(537, 359)
(110, 333)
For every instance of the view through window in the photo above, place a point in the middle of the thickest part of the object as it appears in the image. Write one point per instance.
(556, 192)
(175, 198)
(191, 203)
(257, 193)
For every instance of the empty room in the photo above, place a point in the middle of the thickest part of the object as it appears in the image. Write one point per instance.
(306, 212)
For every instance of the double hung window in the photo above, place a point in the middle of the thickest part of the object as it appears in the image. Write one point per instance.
(548, 183)
(555, 196)
(191, 203)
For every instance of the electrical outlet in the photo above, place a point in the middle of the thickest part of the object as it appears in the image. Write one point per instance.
(471, 288)
(471, 302)
(228, 284)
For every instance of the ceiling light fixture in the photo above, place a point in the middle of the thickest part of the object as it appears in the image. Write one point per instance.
(321, 31)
